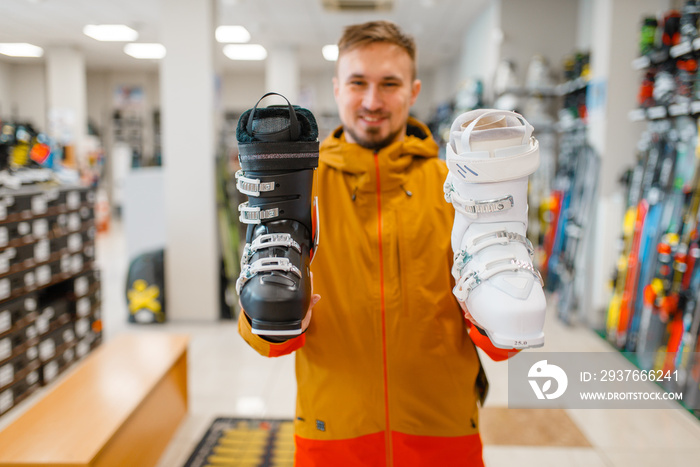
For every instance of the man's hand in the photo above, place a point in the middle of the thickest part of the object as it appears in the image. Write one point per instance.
(468, 315)
(314, 300)
(307, 318)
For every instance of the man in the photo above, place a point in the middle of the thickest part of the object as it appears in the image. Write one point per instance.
(387, 372)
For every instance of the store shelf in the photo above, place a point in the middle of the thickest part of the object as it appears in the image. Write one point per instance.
(569, 87)
(47, 271)
(657, 57)
(653, 58)
(563, 126)
(658, 112)
(539, 91)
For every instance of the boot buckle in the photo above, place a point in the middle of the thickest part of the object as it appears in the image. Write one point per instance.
(252, 186)
(268, 241)
(498, 237)
(265, 265)
(474, 278)
(275, 239)
(488, 206)
(473, 208)
(254, 215)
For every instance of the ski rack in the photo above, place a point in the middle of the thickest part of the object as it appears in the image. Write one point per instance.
(654, 313)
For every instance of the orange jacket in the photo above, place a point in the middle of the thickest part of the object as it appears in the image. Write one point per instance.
(386, 371)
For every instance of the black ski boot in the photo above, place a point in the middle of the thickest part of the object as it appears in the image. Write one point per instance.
(278, 152)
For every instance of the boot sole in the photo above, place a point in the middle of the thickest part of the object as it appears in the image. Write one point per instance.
(520, 343)
(268, 328)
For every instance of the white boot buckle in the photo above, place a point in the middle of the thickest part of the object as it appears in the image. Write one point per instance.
(473, 208)
(255, 215)
(472, 280)
(252, 186)
(499, 237)
(268, 241)
(491, 205)
(265, 265)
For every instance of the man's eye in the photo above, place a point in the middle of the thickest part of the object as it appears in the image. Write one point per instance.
(391, 84)
(356, 83)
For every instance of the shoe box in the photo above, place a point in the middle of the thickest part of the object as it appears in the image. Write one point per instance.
(19, 355)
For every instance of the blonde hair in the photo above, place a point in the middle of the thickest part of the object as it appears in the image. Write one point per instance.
(360, 35)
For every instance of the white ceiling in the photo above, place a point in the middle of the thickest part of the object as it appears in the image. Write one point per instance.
(437, 25)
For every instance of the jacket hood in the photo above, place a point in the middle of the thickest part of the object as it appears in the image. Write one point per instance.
(359, 163)
(348, 157)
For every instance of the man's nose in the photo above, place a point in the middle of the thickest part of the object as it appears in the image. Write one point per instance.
(372, 99)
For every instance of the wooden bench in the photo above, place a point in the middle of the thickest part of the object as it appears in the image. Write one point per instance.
(118, 407)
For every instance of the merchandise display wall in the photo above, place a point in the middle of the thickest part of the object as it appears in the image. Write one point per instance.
(653, 313)
(49, 290)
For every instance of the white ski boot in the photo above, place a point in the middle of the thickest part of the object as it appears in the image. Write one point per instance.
(490, 155)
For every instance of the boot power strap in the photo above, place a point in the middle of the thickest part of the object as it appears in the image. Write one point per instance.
(278, 185)
(500, 237)
(288, 150)
(296, 155)
(506, 163)
(265, 265)
(472, 280)
(284, 240)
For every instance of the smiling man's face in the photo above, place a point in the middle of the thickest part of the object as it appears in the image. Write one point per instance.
(374, 89)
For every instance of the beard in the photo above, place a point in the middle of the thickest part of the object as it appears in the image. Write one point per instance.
(372, 139)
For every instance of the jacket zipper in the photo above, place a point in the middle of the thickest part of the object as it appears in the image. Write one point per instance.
(387, 430)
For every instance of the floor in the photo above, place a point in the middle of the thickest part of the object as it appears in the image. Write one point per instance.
(227, 378)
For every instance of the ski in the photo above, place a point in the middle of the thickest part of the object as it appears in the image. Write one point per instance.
(627, 299)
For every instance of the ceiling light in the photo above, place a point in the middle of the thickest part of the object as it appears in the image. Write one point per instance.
(227, 34)
(110, 32)
(145, 50)
(330, 52)
(21, 49)
(245, 52)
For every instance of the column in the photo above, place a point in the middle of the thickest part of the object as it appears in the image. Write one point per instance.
(187, 110)
(66, 95)
(282, 72)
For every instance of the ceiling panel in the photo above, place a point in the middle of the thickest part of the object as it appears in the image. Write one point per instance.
(438, 26)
